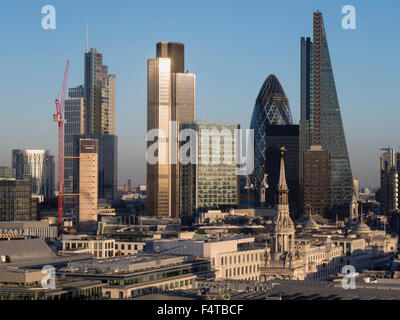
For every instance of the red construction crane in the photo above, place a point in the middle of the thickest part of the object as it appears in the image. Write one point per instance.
(58, 117)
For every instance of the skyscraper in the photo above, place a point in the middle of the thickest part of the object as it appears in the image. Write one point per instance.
(88, 175)
(39, 164)
(211, 182)
(320, 116)
(389, 194)
(170, 97)
(99, 89)
(271, 108)
(75, 125)
(286, 136)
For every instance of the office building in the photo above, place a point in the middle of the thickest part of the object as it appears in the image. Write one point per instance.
(16, 202)
(107, 146)
(170, 99)
(327, 126)
(389, 176)
(39, 164)
(99, 92)
(315, 180)
(271, 108)
(88, 185)
(75, 125)
(279, 136)
(212, 181)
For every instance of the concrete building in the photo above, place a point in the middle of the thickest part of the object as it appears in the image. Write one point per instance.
(129, 277)
(88, 186)
(231, 258)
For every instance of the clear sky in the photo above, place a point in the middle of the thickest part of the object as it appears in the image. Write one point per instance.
(231, 46)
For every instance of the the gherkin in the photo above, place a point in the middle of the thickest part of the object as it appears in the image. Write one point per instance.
(271, 108)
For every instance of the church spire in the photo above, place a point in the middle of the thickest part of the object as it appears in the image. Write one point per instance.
(282, 176)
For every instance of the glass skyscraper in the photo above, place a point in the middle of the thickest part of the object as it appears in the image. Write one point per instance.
(271, 108)
(320, 114)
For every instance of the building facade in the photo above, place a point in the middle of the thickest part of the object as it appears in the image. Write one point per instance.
(39, 164)
(74, 108)
(16, 202)
(389, 176)
(88, 185)
(271, 108)
(211, 182)
(99, 92)
(170, 100)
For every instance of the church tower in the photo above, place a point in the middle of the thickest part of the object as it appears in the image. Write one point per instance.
(353, 214)
(283, 227)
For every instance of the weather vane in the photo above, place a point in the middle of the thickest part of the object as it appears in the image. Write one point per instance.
(283, 150)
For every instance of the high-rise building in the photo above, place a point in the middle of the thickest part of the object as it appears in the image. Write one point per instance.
(39, 164)
(321, 122)
(16, 202)
(279, 136)
(389, 192)
(170, 99)
(99, 92)
(315, 180)
(88, 175)
(271, 108)
(107, 147)
(75, 125)
(306, 54)
(212, 181)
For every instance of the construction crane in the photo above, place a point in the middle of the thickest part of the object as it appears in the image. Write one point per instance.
(58, 117)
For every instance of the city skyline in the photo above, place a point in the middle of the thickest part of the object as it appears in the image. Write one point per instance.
(204, 53)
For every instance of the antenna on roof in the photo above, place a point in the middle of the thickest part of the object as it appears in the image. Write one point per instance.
(87, 38)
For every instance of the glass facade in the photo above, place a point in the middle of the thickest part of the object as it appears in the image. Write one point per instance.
(74, 115)
(212, 182)
(327, 128)
(16, 203)
(39, 164)
(283, 136)
(271, 108)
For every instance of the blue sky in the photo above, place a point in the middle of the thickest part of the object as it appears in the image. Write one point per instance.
(231, 46)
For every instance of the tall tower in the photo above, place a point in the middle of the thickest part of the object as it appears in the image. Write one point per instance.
(283, 227)
(170, 100)
(327, 126)
(88, 175)
(99, 91)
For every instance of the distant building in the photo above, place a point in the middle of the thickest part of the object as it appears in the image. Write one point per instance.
(39, 164)
(16, 202)
(389, 174)
(36, 229)
(7, 172)
(88, 185)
